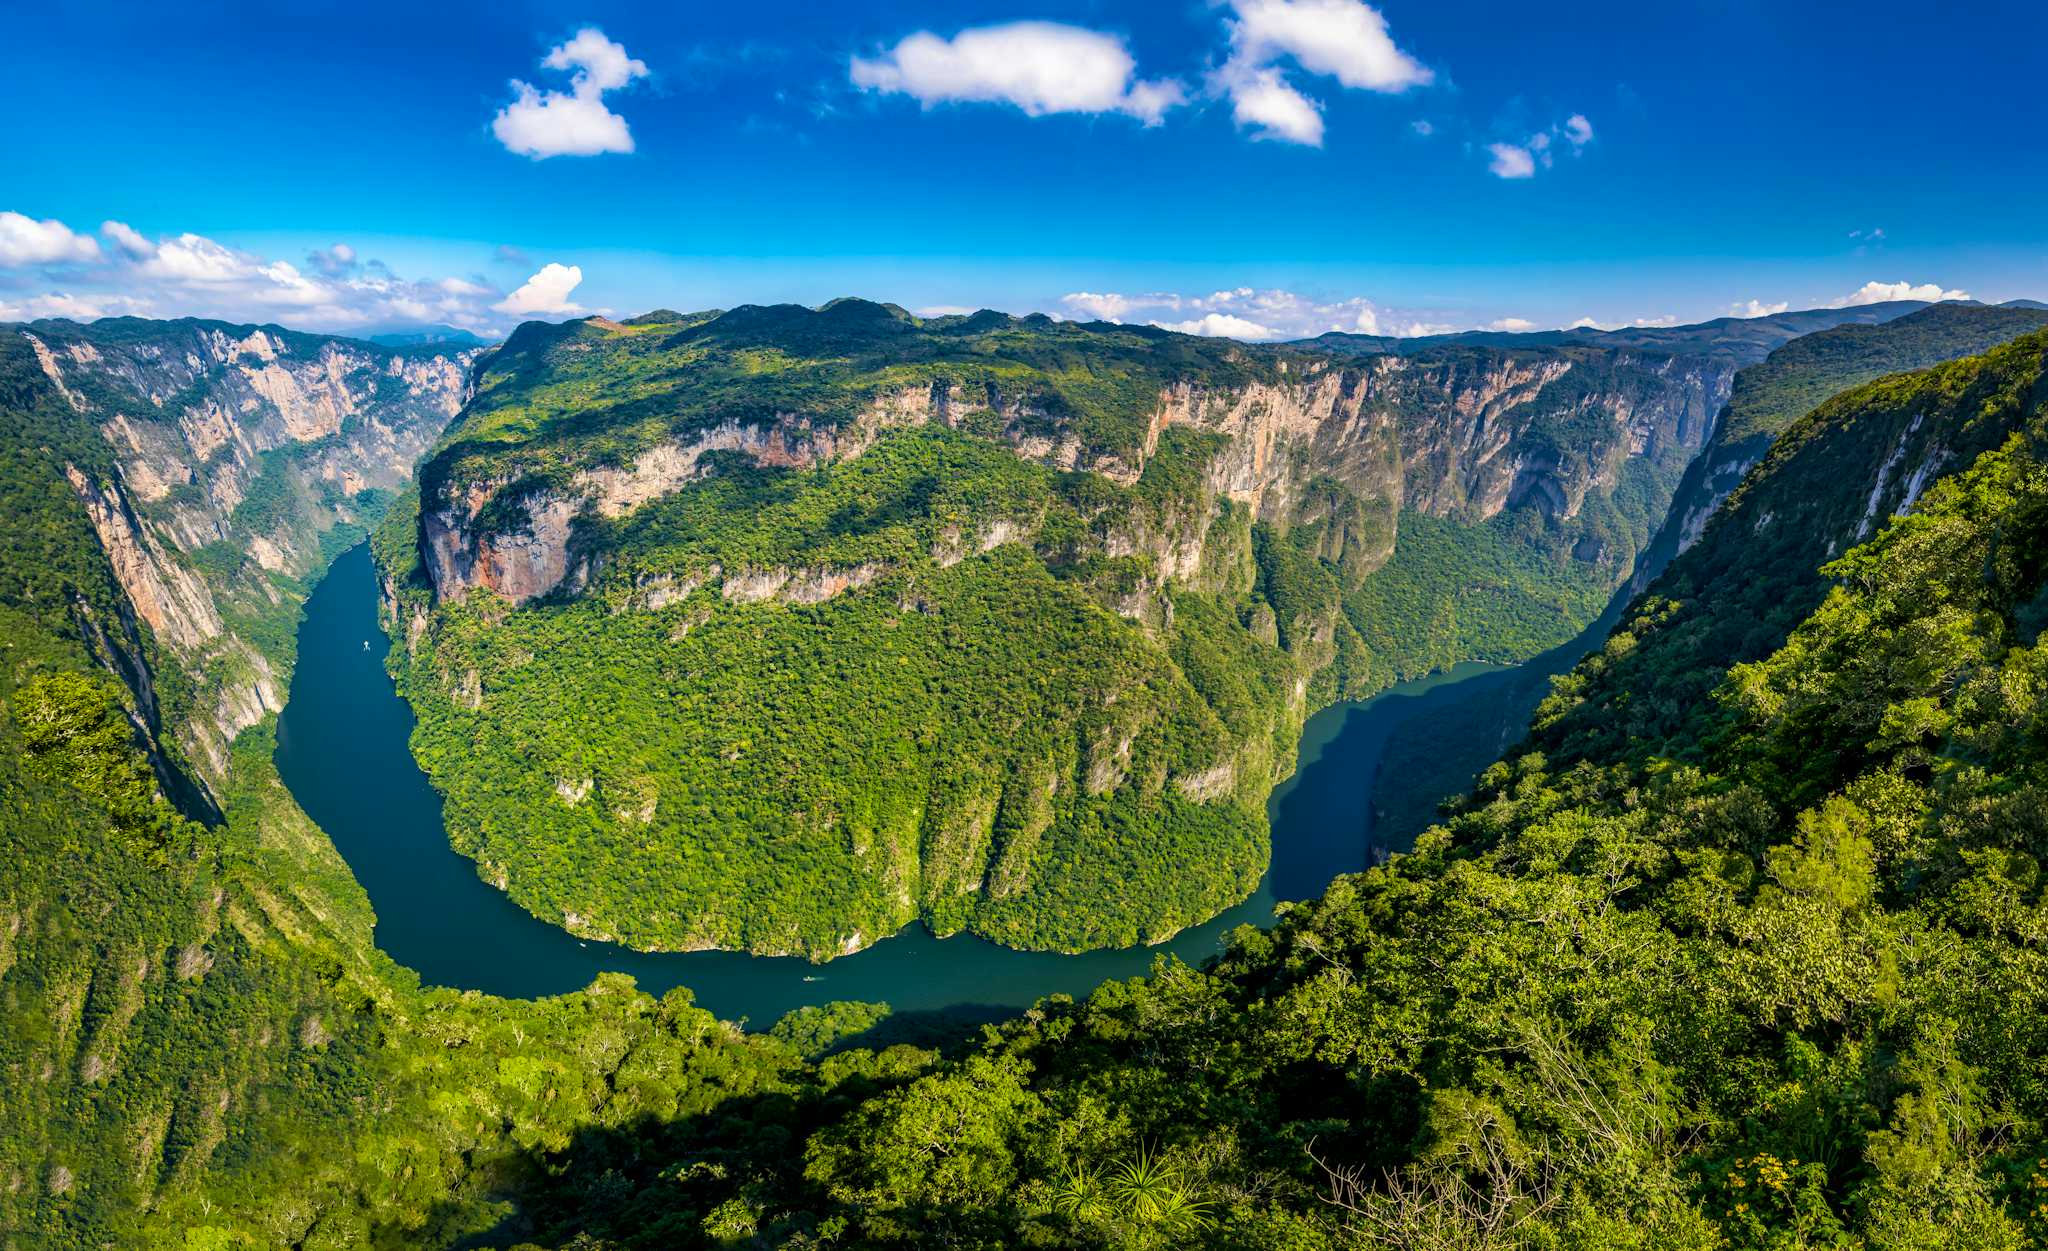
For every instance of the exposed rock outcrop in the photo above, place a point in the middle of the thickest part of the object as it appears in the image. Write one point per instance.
(1341, 447)
(201, 419)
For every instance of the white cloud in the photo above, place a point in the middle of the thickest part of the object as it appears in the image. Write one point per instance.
(75, 307)
(26, 241)
(1757, 308)
(1246, 313)
(1343, 39)
(1263, 102)
(126, 238)
(541, 124)
(1875, 235)
(1039, 67)
(1423, 127)
(190, 274)
(196, 258)
(1881, 292)
(1521, 160)
(1109, 306)
(945, 310)
(546, 292)
(597, 62)
(1513, 325)
(1640, 323)
(1222, 325)
(1511, 161)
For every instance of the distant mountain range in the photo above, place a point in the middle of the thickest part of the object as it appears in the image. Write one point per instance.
(423, 336)
(1747, 339)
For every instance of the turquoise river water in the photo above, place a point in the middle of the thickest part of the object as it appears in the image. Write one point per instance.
(342, 749)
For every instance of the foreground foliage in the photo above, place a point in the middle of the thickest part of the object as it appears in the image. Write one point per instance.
(985, 630)
(1774, 978)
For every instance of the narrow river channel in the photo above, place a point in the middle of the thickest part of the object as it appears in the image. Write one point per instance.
(341, 748)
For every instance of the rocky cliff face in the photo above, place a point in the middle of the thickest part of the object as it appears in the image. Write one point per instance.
(1829, 482)
(663, 513)
(1340, 447)
(1771, 394)
(233, 448)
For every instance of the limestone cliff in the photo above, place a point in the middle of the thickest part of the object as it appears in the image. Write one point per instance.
(980, 620)
(1340, 447)
(231, 450)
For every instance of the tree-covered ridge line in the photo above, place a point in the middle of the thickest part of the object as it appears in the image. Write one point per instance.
(1875, 446)
(781, 628)
(201, 1046)
(1797, 378)
(1426, 763)
(1749, 1028)
(1779, 984)
(219, 467)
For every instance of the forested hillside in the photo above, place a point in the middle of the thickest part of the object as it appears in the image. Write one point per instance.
(1427, 763)
(199, 1045)
(1759, 967)
(781, 628)
(1777, 981)
(1769, 396)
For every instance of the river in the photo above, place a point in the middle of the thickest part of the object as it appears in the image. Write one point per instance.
(342, 750)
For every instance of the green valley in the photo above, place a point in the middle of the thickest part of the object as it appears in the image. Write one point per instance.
(1722, 969)
(778, 629)
(1255, 625)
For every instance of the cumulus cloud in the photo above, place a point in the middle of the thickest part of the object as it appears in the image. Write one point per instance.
(1341, 39)
(1223, 326)
(334, 260)
(1109, 306)
(1513, 325)
(546, 292)
(26, 241)
(1344, 39)
(1511, 160)
(126, 238)
(1038, 67)
(1881, 292)
(541, 124)
(1757, 308)
(1422, 126)
(189, 274)
(1248, 313)
(1522, 160)
(1262, 102)
(75, 307)
(1048, 67)
(197, 259)
(1640, 323)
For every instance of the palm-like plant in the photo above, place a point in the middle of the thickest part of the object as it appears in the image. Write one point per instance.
(1078, 1195)
(1150, 1190)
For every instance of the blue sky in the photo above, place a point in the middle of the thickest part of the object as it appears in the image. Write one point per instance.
(1257, 167)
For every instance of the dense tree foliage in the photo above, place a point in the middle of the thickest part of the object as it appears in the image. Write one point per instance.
(1428, 762)
(801, 697)
(1787, 991)
(1760, 967)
